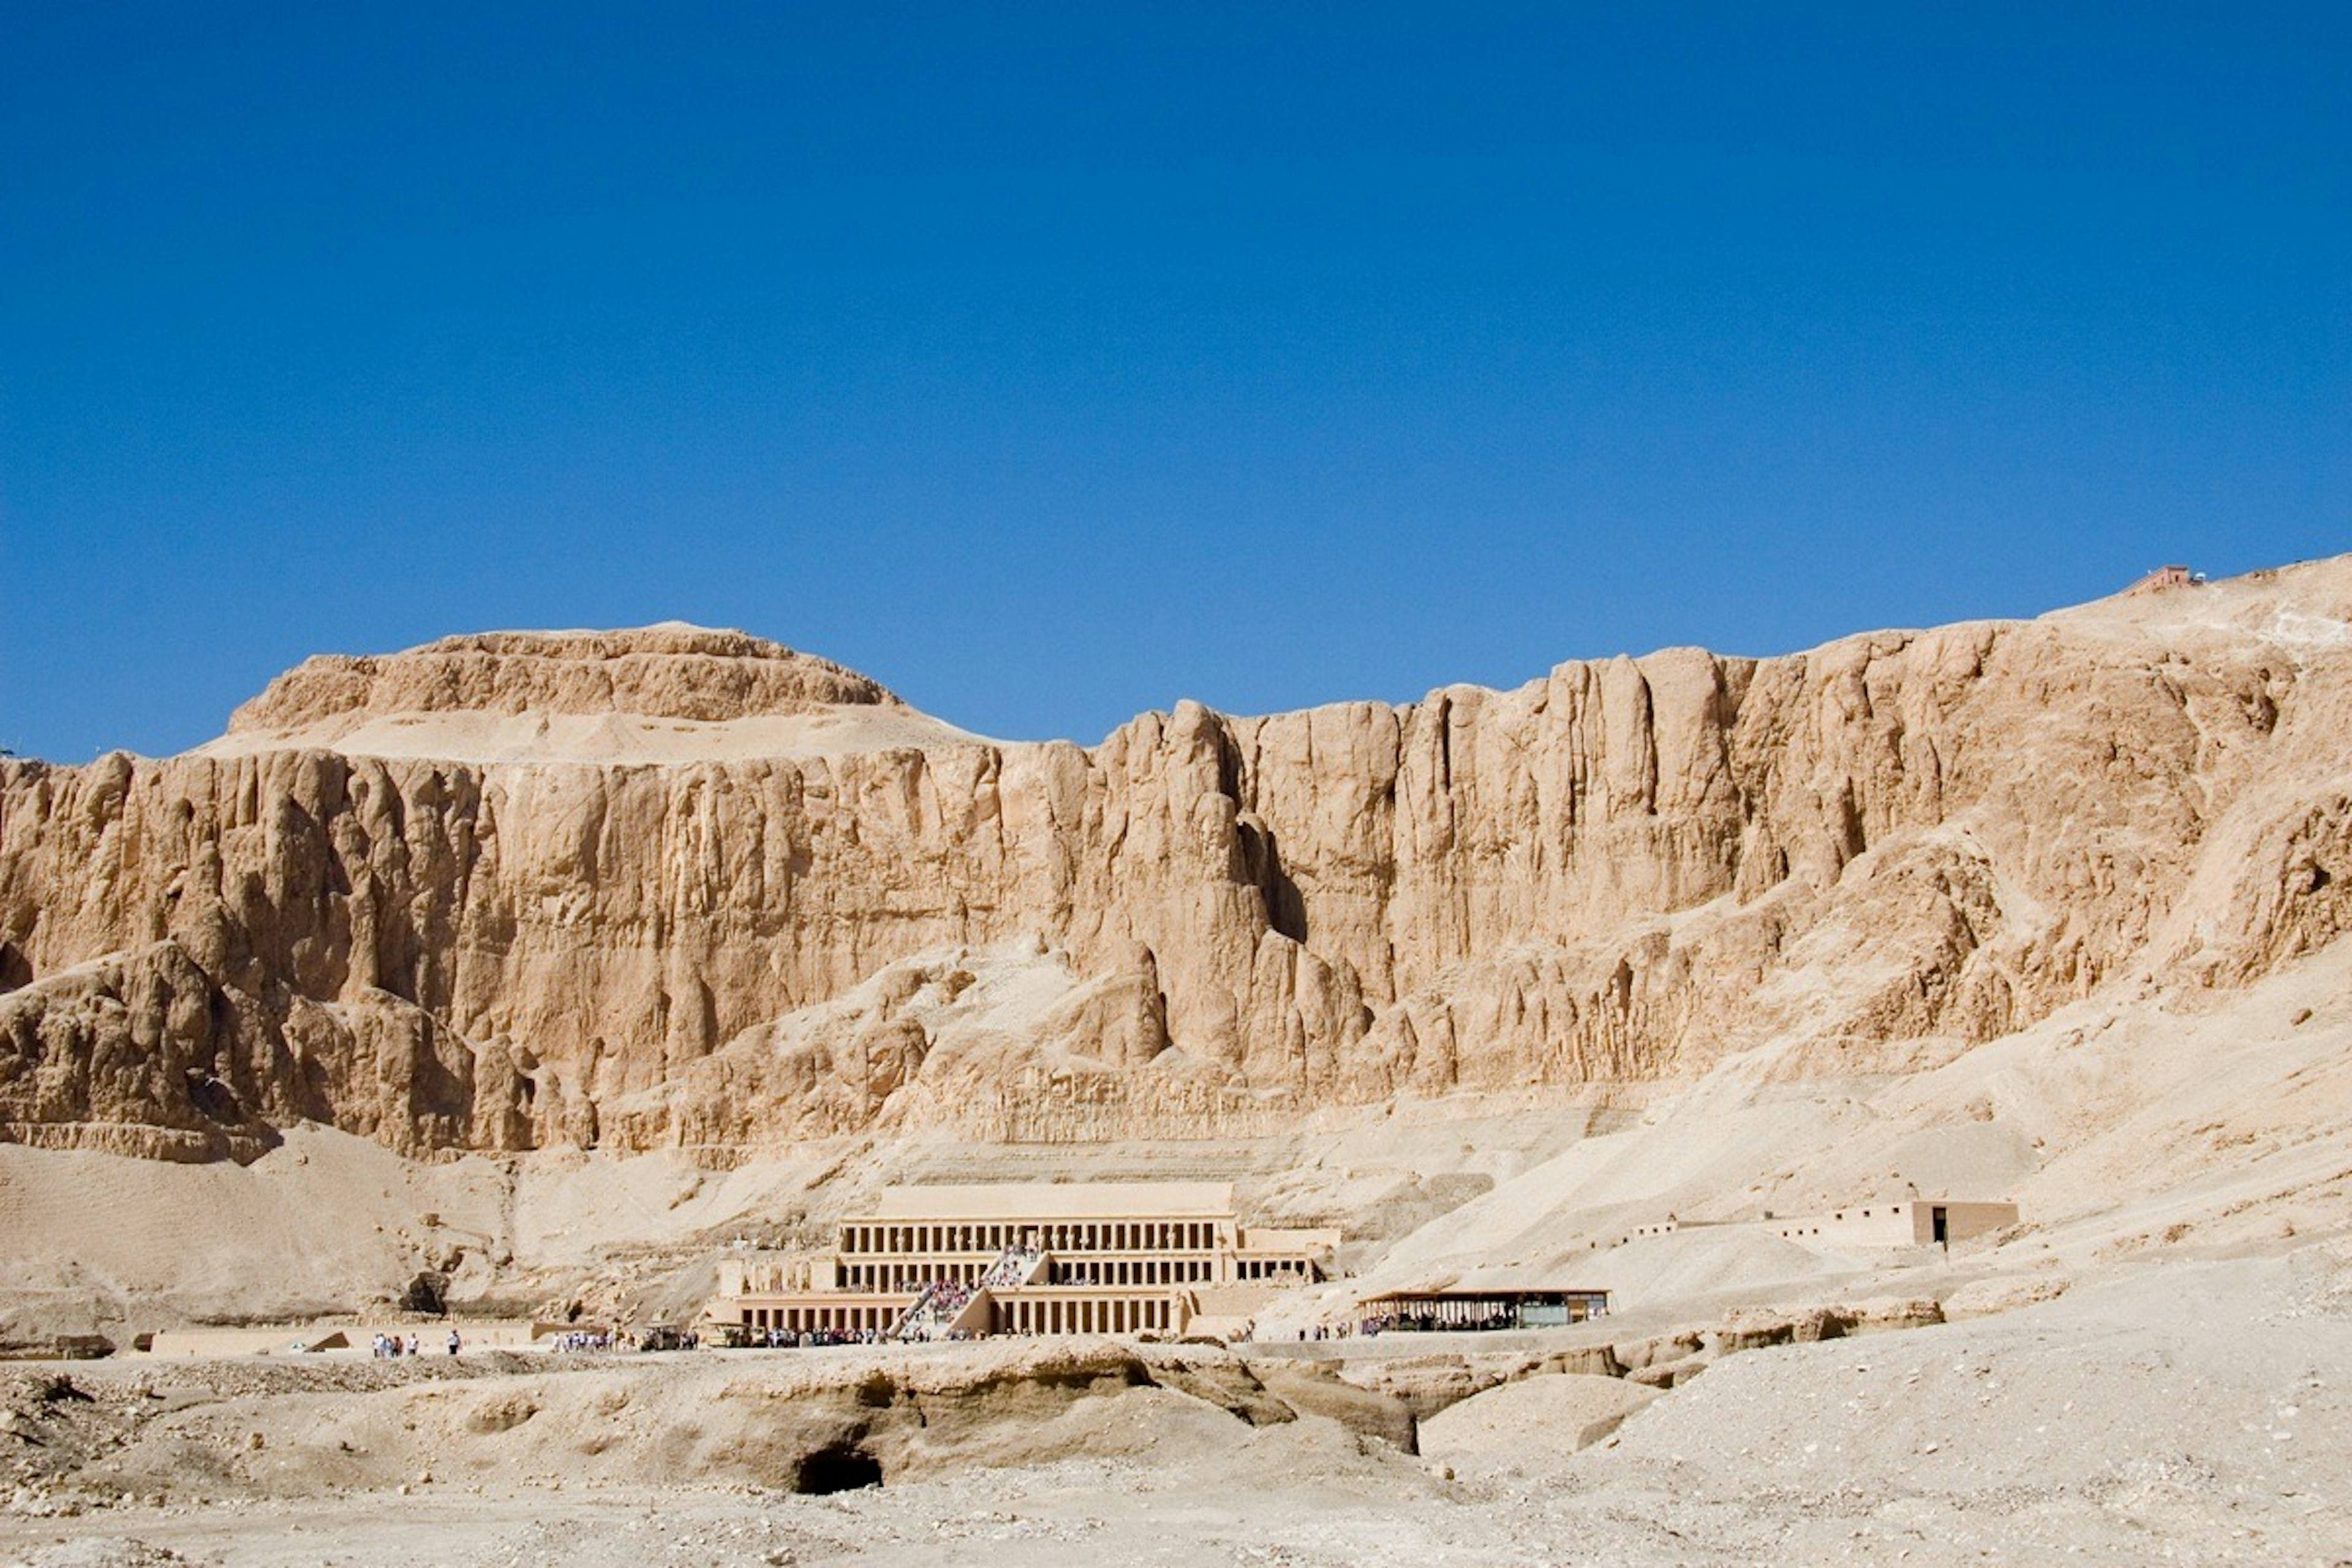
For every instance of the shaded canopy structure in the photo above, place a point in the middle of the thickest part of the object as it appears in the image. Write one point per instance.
(1472, 1310)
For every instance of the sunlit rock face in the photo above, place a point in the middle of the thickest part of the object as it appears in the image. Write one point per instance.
(678, 887)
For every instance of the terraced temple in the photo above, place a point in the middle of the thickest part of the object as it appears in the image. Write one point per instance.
(953, 1262)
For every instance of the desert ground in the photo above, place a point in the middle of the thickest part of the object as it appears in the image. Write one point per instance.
(2190, 1411)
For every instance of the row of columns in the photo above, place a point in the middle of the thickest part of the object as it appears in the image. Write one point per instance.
(811, 1319)
(1089, 1314)
(1023, 1315)
(896, 1276)
(1134, 1271)
(1090, 1236)
(906, 1275)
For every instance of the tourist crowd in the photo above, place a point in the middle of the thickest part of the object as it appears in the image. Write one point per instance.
(944, 1299)
(1009, 1270)
(1426, 1323)
(788, 1339)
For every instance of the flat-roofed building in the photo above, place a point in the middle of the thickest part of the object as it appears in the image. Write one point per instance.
(933, 1262)
(1901, 1222)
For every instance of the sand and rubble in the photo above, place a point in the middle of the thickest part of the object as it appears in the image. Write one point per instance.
(2177, 1411)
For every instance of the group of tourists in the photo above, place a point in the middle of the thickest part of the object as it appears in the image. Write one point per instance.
(1011, 1268)
(1429, 1323)
(393, 1347)
(809, 1338)
(948, 1297)
(588, 1341)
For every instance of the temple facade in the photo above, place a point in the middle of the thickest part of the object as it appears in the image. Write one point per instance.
(1166, 1258)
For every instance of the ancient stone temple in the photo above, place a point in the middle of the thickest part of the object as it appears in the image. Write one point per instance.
(951, 1262)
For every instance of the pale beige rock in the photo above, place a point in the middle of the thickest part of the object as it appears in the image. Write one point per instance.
(1532, 1422)
(403, 897)
(1753, 1328)
(1426, 1385)
(1989, 1297)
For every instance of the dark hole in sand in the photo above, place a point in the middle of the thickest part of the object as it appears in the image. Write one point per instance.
(840, 1469)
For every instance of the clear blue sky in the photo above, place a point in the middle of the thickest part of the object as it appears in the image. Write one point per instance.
(1053, 363)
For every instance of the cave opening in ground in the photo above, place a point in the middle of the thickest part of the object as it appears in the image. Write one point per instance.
(841, 1468)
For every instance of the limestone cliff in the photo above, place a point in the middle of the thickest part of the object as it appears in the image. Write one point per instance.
(674, 886)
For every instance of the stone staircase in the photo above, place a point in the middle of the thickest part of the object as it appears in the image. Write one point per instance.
(1014, 1266)
(943, 1303)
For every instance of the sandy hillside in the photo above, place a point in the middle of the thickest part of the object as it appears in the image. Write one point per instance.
(2178, 1122)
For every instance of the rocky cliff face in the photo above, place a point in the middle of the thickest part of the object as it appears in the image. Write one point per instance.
(676, 887)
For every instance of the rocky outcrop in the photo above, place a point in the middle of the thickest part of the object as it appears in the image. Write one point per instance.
(668, 672)
(1755, 1328)
(1613, 875)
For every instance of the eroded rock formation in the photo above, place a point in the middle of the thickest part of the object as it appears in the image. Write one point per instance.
(685, 886)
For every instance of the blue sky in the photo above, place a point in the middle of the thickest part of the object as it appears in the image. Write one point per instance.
(1054, 364)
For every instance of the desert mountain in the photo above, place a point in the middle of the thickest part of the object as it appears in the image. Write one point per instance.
(690, 889)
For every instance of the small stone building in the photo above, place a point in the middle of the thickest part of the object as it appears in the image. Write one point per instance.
(1908, 1221)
